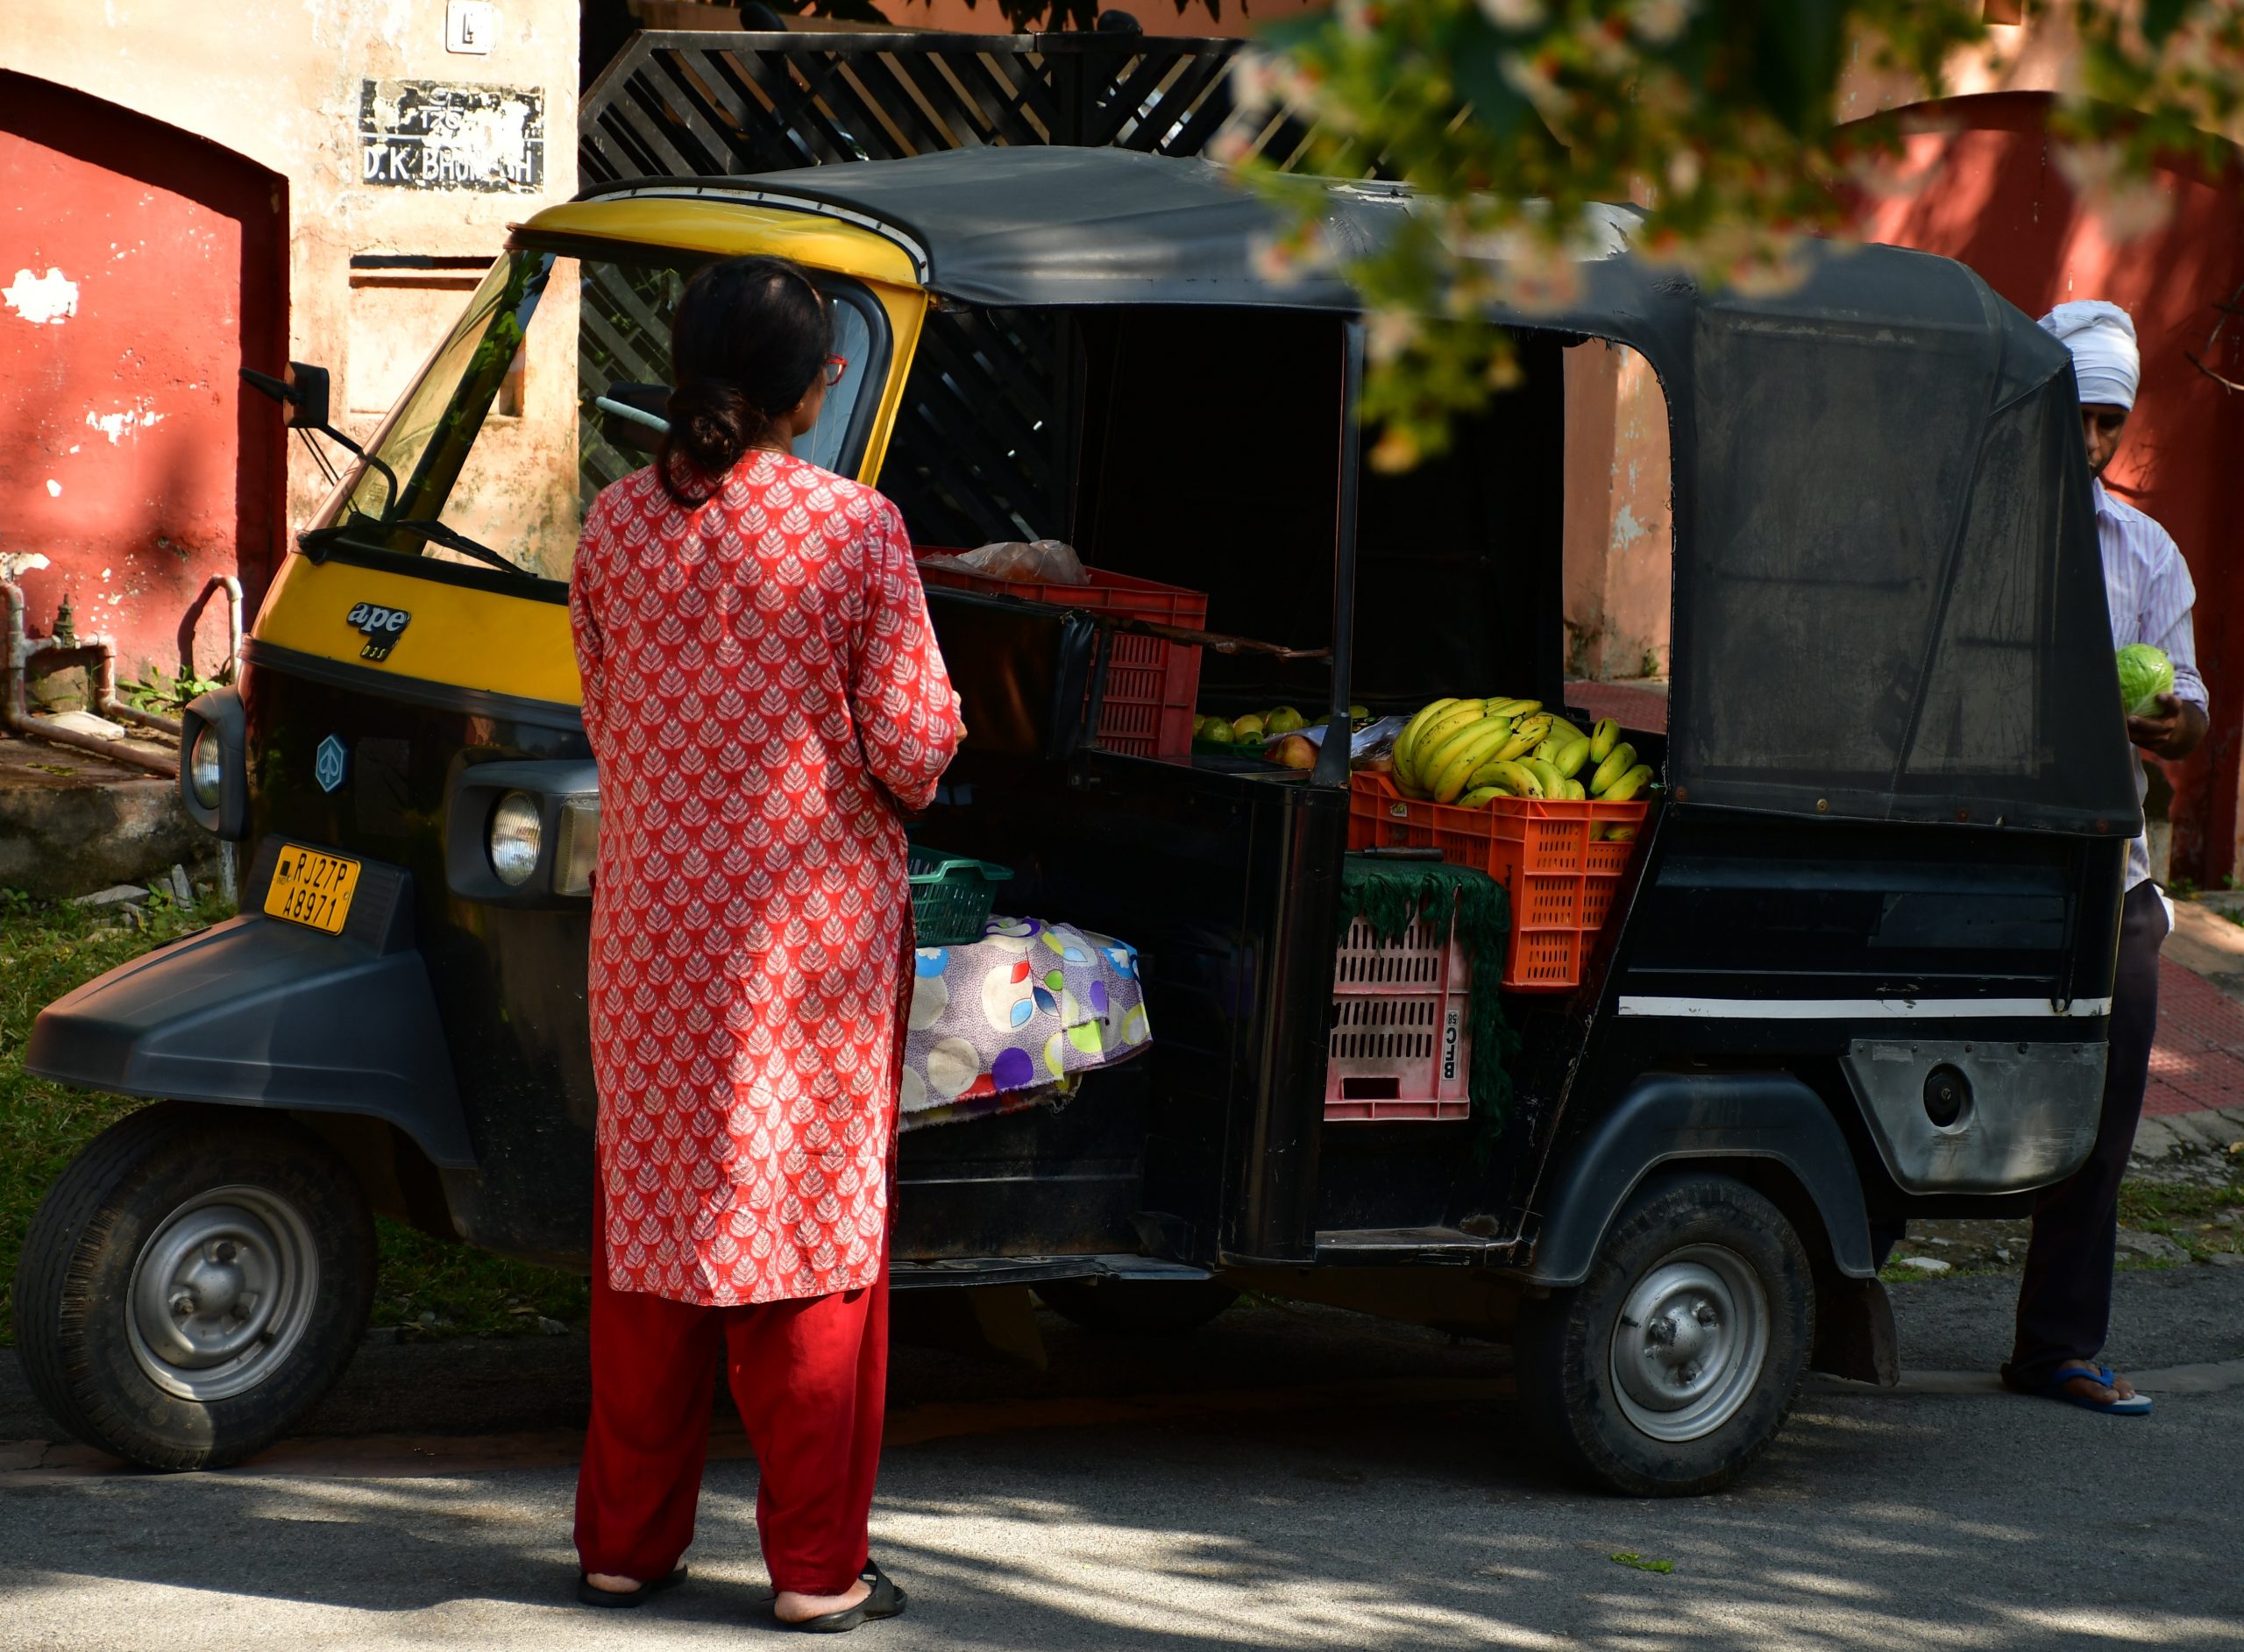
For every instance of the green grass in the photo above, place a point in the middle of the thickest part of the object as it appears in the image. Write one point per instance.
(2189, 1215)
(438, 1289)
(47, 948)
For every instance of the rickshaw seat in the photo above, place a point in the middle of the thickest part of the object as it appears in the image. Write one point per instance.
(1021, 670)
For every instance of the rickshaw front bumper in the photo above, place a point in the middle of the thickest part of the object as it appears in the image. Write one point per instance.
(258, 1011)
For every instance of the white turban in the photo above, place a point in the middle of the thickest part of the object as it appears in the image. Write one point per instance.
(2105, 363)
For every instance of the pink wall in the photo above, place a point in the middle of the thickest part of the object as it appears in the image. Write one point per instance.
(1988, 195)
(140, 268)
(1619, 527)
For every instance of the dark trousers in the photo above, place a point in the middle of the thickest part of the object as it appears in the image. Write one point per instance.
(2064, 1302)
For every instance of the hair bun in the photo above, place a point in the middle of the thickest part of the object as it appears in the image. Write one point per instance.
(711, 425)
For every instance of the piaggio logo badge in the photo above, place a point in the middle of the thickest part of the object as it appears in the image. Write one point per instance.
(380, 626)
(329, 764)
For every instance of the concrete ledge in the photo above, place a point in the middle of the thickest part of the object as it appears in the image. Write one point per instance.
(71, 824)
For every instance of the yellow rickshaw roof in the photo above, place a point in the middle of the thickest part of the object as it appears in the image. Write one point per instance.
(726, 224)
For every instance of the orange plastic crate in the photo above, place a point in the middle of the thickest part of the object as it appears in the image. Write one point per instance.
(1402, 1042)
(1561, 880)
(1152, 685)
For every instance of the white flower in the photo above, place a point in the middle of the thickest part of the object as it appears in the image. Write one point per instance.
(1273, 260)
(1232, 143)
(1515, 15)
(1534, 85)
(1388, 333)
(1251, 80)
(1659, 21)
(1538, 279)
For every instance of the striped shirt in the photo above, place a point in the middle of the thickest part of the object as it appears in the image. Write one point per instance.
(2148, 587)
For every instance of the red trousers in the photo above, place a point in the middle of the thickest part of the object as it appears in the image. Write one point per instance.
(811, 1379)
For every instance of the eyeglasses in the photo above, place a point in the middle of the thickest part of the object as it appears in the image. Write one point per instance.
(835, 366)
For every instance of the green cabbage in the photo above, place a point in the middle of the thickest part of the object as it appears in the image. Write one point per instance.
(2145, 673)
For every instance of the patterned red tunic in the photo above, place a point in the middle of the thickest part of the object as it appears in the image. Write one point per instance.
(760, 680)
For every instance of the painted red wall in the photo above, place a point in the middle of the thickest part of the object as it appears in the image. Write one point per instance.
(129, 455)
(1989, 195)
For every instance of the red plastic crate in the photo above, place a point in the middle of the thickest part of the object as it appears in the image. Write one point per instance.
(1152, 685)
(1561, 879)
(1402, 1043)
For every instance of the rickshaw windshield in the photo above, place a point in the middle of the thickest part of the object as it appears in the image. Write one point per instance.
(550, 386)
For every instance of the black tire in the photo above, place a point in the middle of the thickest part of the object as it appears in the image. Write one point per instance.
(1137, 1308)
(254, 1212)
(1716, 1272)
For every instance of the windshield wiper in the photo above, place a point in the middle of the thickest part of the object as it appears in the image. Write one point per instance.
(315, 541)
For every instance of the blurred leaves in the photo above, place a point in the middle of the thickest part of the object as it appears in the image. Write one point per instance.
(1718, 121)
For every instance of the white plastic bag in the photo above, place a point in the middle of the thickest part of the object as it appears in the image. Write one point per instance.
(1041, 562)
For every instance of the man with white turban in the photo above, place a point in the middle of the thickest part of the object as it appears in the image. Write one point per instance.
(2064, 1302)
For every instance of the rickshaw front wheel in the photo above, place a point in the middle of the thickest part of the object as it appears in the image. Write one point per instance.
(1673, 1366)
(193, 1284)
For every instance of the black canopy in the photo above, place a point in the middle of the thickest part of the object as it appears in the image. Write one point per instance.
(1889, 597)
(1022, 228)
(1889, 601)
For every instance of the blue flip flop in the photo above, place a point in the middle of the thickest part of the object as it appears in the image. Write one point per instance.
(2139, 1406)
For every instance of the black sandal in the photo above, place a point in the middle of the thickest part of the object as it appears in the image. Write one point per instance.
(885, 1601)
(592, 1595)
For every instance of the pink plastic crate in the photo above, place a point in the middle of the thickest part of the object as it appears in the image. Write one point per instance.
(1151, 684)
(1401, 1044)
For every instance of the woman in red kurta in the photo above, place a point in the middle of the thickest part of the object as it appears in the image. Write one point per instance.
(763, 691)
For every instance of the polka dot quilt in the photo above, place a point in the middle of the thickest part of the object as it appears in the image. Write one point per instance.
(1014, 1019)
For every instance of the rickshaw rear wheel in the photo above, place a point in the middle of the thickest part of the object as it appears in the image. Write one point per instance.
(1673, 1366)
(1137, 1308)
(193, 1284)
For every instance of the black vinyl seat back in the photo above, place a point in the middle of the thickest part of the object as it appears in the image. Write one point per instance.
(1021, 670)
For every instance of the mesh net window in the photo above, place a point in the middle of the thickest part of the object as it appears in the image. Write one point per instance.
(1891, 606)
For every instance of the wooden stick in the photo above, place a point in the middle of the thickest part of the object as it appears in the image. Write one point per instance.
(1217, 640)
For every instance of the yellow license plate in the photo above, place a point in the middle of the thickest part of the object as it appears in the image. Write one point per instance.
(311, 888)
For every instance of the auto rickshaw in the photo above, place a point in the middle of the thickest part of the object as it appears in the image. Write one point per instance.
(1858, 968)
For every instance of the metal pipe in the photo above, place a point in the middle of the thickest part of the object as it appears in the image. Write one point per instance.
(125, 712)
(232, 587)
(1331, 767)
(105, 698)
(15, 694)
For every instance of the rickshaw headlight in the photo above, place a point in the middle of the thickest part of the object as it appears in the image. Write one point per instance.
(516, 831)
(206, 766)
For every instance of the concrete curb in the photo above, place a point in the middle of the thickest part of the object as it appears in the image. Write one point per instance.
(2214, 1377)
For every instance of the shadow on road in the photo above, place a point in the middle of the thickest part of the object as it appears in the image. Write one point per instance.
(1393, 1505)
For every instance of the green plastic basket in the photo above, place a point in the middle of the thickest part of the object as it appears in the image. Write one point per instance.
(951, 896)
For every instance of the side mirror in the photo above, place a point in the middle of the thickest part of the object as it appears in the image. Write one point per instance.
(303, 393)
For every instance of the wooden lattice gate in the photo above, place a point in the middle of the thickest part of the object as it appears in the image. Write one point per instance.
(980, 443)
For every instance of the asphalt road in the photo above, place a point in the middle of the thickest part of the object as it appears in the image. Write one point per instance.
(1281, 1479)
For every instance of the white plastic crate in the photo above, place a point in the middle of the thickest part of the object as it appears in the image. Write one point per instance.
(1401, 1044)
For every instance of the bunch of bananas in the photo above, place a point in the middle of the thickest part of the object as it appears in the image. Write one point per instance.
(1467, 751)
